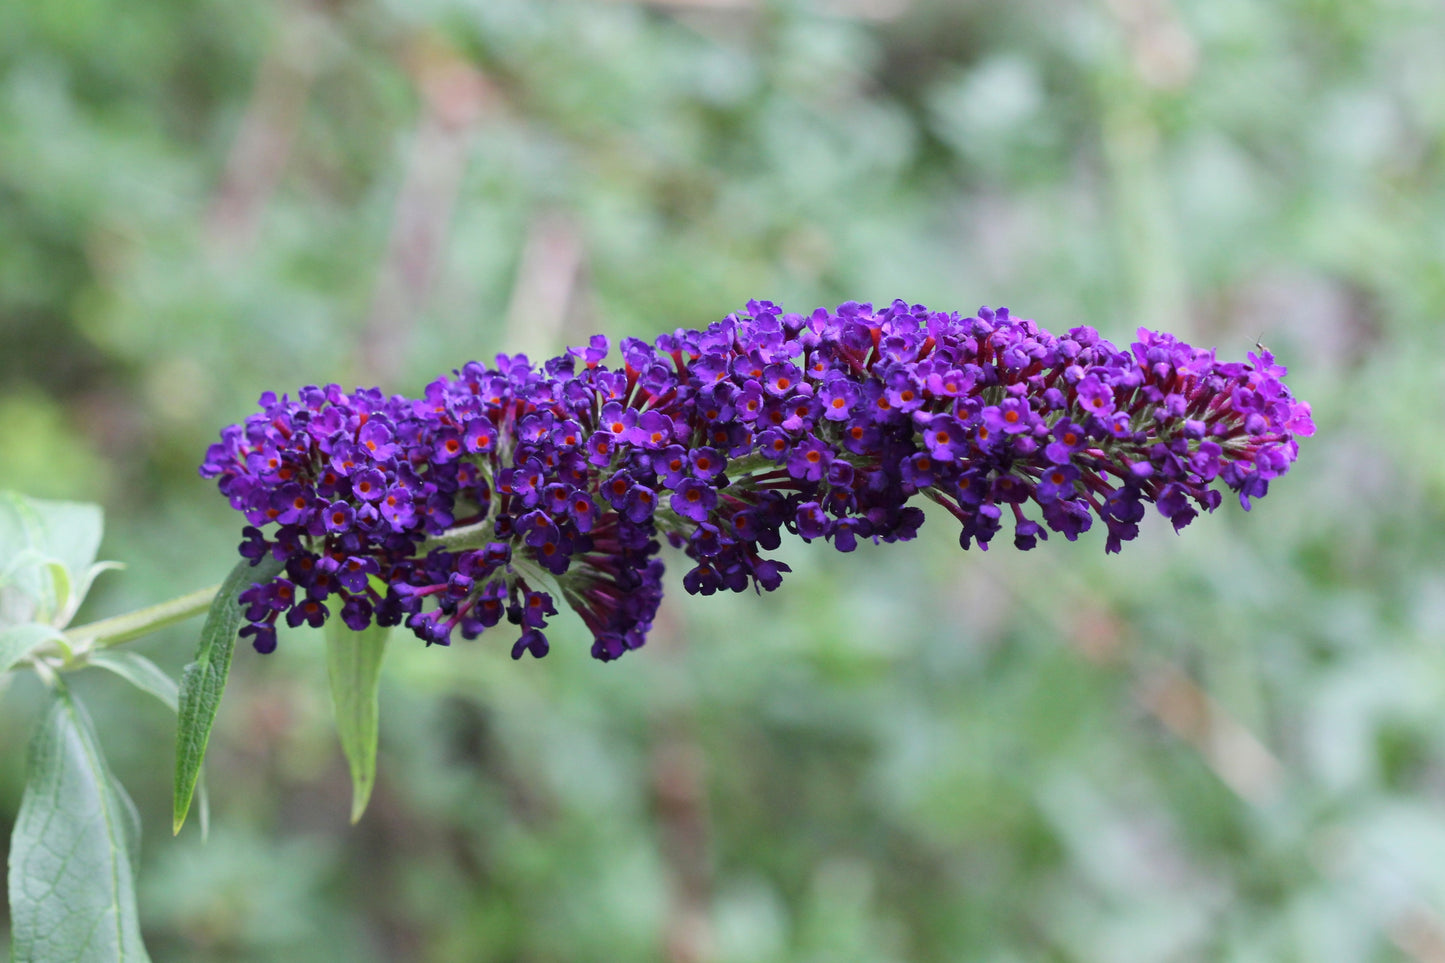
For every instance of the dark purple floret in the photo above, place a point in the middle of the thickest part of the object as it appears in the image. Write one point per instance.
(502, 490)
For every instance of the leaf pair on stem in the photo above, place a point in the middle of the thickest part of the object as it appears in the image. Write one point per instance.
(76, 840)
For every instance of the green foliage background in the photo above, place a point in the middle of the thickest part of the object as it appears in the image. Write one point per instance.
(1228, 745)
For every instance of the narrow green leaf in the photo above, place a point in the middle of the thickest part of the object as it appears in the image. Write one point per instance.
(204, 680)
(73, 851)
(353, 661)
(18, 641)
(149, 677)
(141, 673)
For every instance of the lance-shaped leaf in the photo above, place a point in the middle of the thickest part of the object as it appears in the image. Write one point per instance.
(73, 851)
(149, 677)
(204, 680)
(141, 673)
(353, 661)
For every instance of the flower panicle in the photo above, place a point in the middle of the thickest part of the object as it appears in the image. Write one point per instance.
(505, 490)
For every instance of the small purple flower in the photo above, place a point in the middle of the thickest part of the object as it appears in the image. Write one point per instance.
(534, 609)
(255, 545)
(430, 627)
(338, 517)
(809, 460)
(595, 351)
(617, 419)
(749, 402)
(715, 403)
(1057, 481)
(263, 636)
(768, 574)
(1014, 416)
(812, 522)
(944, 437)
(1095, 397)
(599, 448)
(582, 510)
(356, 613)
(1027, 534)
(447, 446)
(347, 459)
(369, 485)
(310, 611)
(952, 383)
(903, 391)
(701, 580)
(919, 470)
(532, 641)
(838, 397)
(694, 499)
(1068, 439)
(845, 533)
(652, 431)
(707, 463)
(354, 570)
(672, 464)
(479, 436)
(774, 444)
(878, 404)
(800, 411)
(639, 504)
(375, 438)
(779, 379)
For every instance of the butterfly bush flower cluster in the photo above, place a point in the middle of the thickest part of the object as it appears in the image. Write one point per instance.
(505, 490)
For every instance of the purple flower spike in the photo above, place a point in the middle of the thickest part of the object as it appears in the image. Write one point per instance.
(718, 441)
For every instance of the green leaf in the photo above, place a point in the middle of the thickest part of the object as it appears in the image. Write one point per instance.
(204, 680)
(73, 851)
(18, 641)
(353, 661)
(141, 673)
(27, 593)
(88, 577)
(149, 677)
(66, 531)
(46, 549)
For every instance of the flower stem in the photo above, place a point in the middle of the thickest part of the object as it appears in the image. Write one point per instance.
(460, 539)
(117, 629)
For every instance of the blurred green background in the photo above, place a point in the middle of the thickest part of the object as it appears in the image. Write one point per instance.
(1228, 745)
